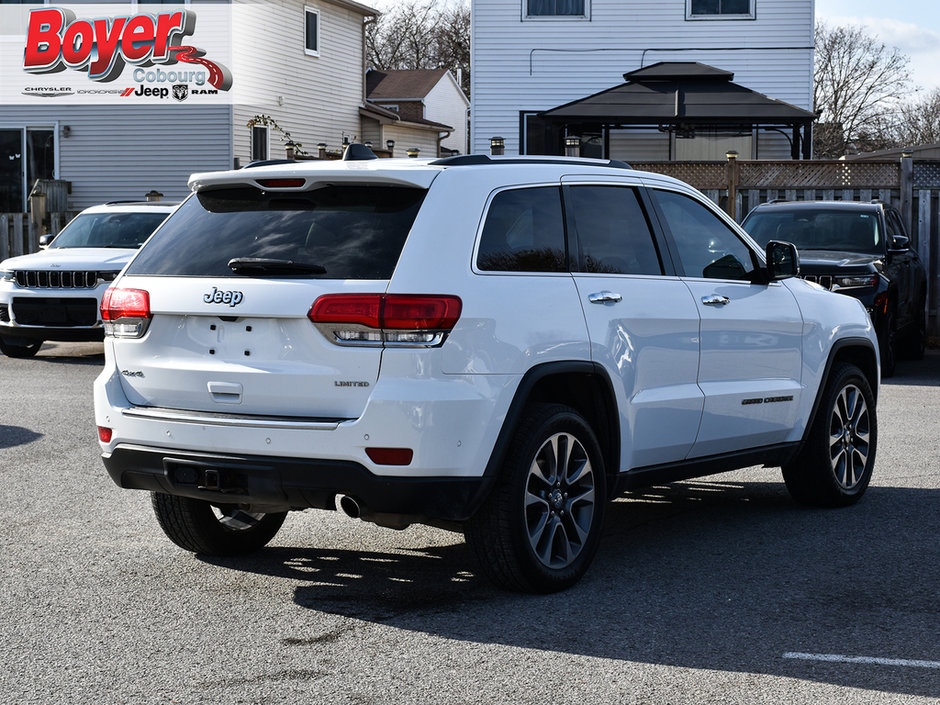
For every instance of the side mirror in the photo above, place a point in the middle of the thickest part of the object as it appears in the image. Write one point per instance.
(899, 243)
(44, 240)
(783, 261)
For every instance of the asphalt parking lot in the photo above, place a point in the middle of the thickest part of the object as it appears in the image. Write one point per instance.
(718, 590)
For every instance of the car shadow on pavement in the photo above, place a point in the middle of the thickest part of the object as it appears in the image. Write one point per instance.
(12, 436)
(921, 373)
(70, 354)
(726, 576)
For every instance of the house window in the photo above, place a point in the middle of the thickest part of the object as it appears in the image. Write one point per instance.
(555, 8)
(311, 31)
(25, 155)
(259, 143)
(720, 9)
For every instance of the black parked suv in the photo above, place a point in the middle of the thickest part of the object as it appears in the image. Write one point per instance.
(859, 249)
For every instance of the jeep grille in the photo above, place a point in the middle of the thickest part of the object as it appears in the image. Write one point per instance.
(824, 280)
(57, 280)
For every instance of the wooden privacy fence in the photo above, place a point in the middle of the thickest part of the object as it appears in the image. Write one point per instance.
(913, 187)
(19, 234)
(48, 213)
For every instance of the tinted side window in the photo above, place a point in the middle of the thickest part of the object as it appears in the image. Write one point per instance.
(613, 234)
(524, 232)
(706, 246)
(895, 227)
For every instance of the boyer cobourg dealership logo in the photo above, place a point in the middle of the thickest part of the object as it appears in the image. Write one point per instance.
(57, 41)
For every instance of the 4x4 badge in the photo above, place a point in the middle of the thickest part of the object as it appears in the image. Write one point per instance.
(216, 296)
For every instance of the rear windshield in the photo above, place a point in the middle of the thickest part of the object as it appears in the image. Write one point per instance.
(831, 229)
(353, 232)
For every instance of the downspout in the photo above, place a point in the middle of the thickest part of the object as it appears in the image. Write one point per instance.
(367, 20)
(441, 139)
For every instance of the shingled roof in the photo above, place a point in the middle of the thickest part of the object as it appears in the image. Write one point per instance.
(413, 84)
(679, 92)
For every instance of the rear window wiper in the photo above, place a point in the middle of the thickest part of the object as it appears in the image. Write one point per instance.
(264, 265)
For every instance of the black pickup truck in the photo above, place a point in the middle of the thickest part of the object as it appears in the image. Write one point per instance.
(858, 249)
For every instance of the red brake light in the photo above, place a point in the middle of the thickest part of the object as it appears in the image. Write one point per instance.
(358, 309)
(125, 303)
(415, 312)
(282, 183)
(411, 320)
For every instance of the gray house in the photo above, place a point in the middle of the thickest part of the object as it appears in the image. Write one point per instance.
(289, 72)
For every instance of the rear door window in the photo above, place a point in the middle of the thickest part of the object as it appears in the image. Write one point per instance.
(612, 232)
(524, 232)
(353, 232)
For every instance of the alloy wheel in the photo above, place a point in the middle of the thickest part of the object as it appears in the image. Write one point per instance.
(849, 437)
(559, 500)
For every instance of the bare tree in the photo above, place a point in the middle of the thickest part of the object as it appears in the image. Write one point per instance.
(422, 34)
(919, 121)
(858, 85)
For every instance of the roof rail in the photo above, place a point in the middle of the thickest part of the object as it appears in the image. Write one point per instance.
(478, 159)
(268, 162)
(138, 202)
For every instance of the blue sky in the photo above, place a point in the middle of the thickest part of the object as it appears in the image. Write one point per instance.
(913, 26)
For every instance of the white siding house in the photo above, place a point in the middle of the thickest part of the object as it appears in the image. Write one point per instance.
(312, 93)
(534, 55)
(299, 63)
(423, 100)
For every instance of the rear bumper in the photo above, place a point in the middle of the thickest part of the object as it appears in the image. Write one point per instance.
(273, 483)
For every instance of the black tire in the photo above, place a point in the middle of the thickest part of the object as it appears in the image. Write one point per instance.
(834, 466)
(214, 530)
(20, 349)
(530, 535)
(888, 346)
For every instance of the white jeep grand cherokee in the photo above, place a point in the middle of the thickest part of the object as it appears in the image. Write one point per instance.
(55, 294)
(497, 346)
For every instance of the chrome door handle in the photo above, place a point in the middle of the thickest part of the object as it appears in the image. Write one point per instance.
(604, 297)
(715, 300)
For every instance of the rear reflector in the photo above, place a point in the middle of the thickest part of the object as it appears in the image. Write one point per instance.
(390, 456)
(104, 434)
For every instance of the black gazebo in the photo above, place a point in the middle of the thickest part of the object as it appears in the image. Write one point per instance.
(679, 98)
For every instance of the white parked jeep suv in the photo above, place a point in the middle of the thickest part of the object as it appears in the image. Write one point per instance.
(497, 346)
(55, 294)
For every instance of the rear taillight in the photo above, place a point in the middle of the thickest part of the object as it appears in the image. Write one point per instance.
(412, 320)
(125, 312)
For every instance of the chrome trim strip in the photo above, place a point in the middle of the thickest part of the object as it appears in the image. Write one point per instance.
(208, 418)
